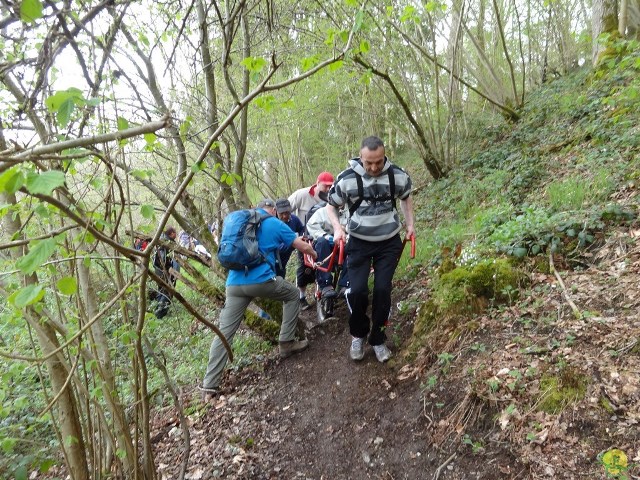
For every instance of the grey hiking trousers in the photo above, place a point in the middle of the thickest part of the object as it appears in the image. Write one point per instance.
(238, 298)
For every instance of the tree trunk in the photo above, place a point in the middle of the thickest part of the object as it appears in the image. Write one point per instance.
(454, 92)
(101, 346)
(622, 21)
(633, 19)
(604, 20)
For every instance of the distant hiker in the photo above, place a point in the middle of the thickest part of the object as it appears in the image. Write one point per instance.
(283, 210)
(261, 281)
(185, 240)
(162, 263)
(140, 243)
(369, 189)
(301, 202)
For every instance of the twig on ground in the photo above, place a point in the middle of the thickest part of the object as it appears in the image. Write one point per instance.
(424, 411)
(436, 475)
(573, 306)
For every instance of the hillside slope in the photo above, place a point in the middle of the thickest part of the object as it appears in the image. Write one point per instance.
(541, 380)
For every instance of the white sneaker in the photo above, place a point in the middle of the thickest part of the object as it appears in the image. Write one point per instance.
(357, 348)
(382, 353)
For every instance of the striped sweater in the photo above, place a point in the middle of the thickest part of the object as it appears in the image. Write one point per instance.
(375, 218)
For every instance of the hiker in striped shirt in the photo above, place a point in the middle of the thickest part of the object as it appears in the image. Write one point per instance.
(369, 189)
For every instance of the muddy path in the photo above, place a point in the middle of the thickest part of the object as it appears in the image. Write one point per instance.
(320, 415)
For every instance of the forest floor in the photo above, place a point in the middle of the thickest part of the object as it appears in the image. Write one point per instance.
(474, 413)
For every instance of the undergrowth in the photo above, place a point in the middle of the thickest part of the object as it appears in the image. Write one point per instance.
(553, 186)
(558, 179)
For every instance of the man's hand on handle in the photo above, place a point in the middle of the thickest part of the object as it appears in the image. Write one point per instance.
(304, 247)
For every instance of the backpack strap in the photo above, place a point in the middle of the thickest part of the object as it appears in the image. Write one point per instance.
(392, 189)
(260, 217)
(356, 205)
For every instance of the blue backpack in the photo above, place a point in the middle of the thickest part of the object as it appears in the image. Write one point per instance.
(239, 243)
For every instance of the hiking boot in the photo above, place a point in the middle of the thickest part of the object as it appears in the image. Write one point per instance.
(328, 292)
(382, 353)
(208, 394)
(304, 305)
(292, 346)
(357, 348)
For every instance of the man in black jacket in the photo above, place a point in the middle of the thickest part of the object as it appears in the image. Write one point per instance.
(162, 263)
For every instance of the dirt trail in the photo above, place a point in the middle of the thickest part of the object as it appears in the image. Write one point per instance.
(318, 415)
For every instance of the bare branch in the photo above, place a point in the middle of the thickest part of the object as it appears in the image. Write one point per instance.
(29, 153)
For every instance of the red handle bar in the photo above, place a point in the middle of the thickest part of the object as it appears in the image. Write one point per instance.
(413, 245)
(337, 247)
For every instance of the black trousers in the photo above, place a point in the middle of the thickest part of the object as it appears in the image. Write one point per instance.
(304, 275)
(383, 257)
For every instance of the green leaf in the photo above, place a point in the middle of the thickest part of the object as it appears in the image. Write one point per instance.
(30, 10)
(520, 252)
(254, 64)
(351, 3)
(147, 211)
(365, 79)
(364, 46)
(140, 174)
(7, 444)
(39, 254)
(266, 102)
(26, 296)
(88, 237)
(331, 36)
(21, 473)
(431, 6)
(227, 178)
(46, 464)
(64, 112)
(615, 461)
(308, 63)
(12, 180)
(410, 14)
(359, 21)
(185, 126)
(336, 66)
(44, 183)
(67, 285)
(55, 101)
(150, 138)
(123, 123)
(42, 211)
(198, 166)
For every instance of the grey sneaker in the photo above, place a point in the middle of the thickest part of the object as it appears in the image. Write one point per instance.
(357, 348)
(304, 305)
(292, 346)
(382, 353)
